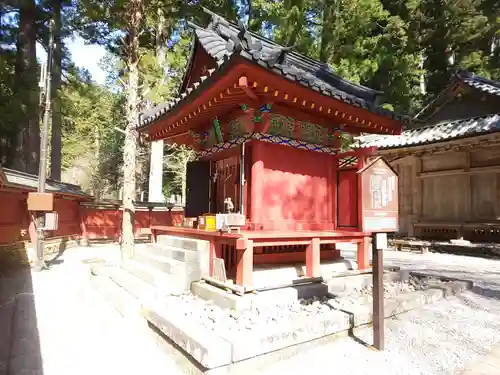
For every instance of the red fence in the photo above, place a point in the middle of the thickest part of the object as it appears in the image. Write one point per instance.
(100, 221)
(77, 219)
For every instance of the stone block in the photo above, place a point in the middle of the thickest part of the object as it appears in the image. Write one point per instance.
(204, 346)
(182, 242)
(220, 297)
(339, 285)
(248, 346)
(169, 252)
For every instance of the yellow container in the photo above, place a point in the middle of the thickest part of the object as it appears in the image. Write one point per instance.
(207, 222)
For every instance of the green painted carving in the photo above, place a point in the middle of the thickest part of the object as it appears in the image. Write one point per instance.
(217, 131)
(196, 136)
(311, 132)
(236, 128)
(281, 125)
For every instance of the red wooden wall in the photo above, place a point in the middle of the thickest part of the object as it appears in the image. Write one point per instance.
(101, 222)
(96, 221)
(14, 217)
(292, 189)
(347, 203)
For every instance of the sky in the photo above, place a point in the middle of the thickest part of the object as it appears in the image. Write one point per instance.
(85, 56)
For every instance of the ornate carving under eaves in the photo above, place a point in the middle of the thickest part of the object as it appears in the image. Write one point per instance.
(282, 125)
(269, 138)
(312, 133)
(236, 128)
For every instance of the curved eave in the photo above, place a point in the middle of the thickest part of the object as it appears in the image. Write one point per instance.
(219, 92)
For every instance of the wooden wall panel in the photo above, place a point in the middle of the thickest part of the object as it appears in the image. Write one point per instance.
(444, 161)
(487, 156)
(443, 198)
(483, 196)
(405, 188)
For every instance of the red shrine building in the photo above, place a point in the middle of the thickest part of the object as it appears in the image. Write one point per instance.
(267, 124)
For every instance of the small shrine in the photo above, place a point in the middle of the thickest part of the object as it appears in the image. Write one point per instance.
(269, 126)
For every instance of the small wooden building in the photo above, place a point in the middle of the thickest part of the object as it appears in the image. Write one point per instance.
(448, 162)
(267, 124)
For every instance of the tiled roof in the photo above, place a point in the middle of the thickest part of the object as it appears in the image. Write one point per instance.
(435, 133)
(483, 84)
(462, 78)
(30, 181)
(223, 41)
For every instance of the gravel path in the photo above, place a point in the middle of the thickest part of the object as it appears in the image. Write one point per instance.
(79, 334)
(59, 325)
(440, 339)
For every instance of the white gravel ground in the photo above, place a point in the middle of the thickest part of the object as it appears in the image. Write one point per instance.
(441, 338)
(77, 334)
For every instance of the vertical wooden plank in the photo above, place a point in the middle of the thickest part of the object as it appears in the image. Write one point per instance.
(497, 189)
(212, 255)
(467, 188)
(362, 254)
(244, 268)
(417, 191)
(313, 262)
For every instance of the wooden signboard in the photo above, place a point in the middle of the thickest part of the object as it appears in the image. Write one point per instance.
(379, 197)
(40, 201)
(379, 214)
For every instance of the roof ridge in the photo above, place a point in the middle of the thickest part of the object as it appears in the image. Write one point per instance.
(288, 49)
(473, 126)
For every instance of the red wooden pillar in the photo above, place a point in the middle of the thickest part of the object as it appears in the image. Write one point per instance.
(212, 255)
(256, 176)
(363, 254)
(313, 262)
(244, 269)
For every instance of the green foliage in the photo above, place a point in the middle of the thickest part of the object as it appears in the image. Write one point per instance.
(90, 113)
(384, 44)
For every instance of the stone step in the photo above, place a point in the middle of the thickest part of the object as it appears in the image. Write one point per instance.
(164, 283)
(137, 287)
(183, 242)
(167, 251)
(169, 265)
(121, 300)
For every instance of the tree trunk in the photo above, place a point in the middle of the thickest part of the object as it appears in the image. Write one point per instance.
(134, 15)
(55, 155)
(28, 140)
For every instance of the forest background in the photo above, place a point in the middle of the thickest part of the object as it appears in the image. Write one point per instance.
(406, 48)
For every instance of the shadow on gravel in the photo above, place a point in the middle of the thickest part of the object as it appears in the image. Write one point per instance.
(19, 337)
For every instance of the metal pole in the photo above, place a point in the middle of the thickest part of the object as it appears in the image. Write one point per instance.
(378, 294)
(44, 140)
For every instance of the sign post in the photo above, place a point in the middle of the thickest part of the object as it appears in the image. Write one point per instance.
(379, 215)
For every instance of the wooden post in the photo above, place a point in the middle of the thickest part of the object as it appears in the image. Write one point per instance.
(378, 294)
(313, 262)
(363, 253)
(211, 254)
(417, 195)
(468, 194)
(244, 269)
